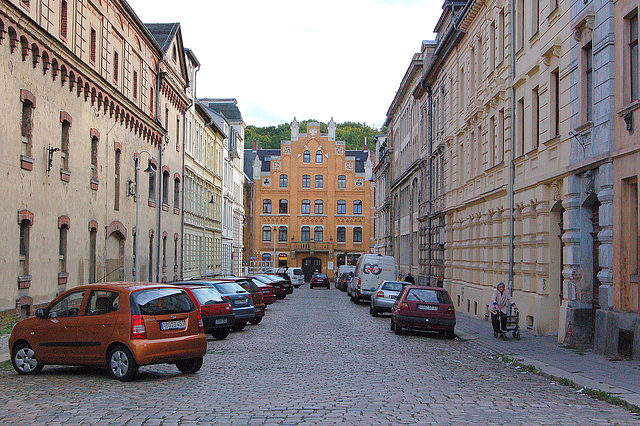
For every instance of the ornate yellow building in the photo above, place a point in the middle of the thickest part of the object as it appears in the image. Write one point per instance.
(308, 203)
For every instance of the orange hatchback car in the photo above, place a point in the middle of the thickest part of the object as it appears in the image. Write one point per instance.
(118, 325)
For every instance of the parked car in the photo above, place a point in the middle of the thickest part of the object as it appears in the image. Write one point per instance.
(319, 280)
(343, 269)
(117, 325)
(256, 296)
(424, 308)
(278, 284)
(295, 275)
(385, 296)
(371, 271)
(240, 299)
(268, 292)
(344, 281)
(216, 312)
(288, 284)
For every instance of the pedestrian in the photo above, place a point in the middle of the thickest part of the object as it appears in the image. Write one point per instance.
(409, 279)
(500, 302)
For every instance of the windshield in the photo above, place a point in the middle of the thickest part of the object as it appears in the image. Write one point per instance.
(298, 272)
(320, 276)
(393, 285)
(229, 288)
(428, 296)
(162, 301)
(207, 295)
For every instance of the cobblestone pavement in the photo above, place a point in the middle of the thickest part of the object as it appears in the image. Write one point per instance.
(315, 359)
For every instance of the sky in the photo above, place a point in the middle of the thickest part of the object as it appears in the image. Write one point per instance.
(300, 58)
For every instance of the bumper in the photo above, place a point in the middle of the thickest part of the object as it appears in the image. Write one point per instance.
(258, 311)
(383, 305)
(426, 323)
(216, 322)
(269, 299)
(244, 314)
(168, 350)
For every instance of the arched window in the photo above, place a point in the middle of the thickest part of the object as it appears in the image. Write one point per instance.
(266, 233)
(318, 207)
(318, 181)
(165, 187)
(319, 157)
(357, 234)
(306, 181)
(282, 234)
(318, 233)
(306, 207)
(266, 206)
(305, 235)
(342, 181)
(342, 234)
(357, 207)
(306, 157)
(342, 207)
(283, 181)
(283, 207)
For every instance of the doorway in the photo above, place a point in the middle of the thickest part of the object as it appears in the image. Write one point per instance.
(310, 266)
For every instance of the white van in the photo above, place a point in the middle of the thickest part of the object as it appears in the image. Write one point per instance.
(371, 271)
(295, 274)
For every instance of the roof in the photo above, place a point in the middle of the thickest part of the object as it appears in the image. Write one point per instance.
(361, 158)
(227, 107)
(250, 155)
(163, 33)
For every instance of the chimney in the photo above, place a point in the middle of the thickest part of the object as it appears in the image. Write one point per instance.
(255, 145)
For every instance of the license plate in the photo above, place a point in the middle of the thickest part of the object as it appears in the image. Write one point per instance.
(172, 325)
(221, 321)
(240, 302)
(428, 308)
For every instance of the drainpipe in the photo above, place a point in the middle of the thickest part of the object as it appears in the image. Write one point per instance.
(430, 153)
(161, 76)
(513, 147)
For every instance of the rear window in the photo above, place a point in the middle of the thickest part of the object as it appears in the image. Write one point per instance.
(228, 288)
(298, 272)
(392, 286)
(248, 285)
(320, 276)
(207, 295)
(162, 301)
(428, 296)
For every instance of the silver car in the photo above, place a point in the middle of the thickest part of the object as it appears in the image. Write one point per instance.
(385, 296)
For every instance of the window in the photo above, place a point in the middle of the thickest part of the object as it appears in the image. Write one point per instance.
(318, 181)
(176, 193)
(115, 66)
(102, 302)
(492, 141)
(500, 38)
(94, 158)
(25, 230)
(164, 252)
(535, 118)
(93, 239)
(27, 125)
(318, 234)
(342, 207)
(535, 17)
(587, 53)
(306, 207)
(357, 234)
(500, 138)
(151, 100)
(150, 257)
(305, 235)
(116, 178)
(342, 181)
(266, 233)
(342, 234)
(177, 132)
(152, 186)
(93, 41)
(306, 181)
(634, 68)
(357, 207)
(266, 258)
(283, 207)
(520, 117)
(282, 234)
(63, 19)
(62, 248)
(64, 144)
(492, 46)
(165, 187)
(283, 181)
(266, 206)
(306, 157)
(135, 84)
(519, 24)
(68, 306)
(554, 105)
(318, 207)
(319, 157)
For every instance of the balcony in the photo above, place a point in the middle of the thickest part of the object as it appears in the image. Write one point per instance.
(311, 246)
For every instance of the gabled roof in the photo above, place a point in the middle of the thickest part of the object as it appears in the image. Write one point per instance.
(163, 33)
(227, 107)
(361, 157)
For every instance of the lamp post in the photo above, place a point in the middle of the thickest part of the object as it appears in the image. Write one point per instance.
(275, 228)
(204, 229)
(150, 168)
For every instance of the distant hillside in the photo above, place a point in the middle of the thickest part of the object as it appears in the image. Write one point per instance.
(353, 134)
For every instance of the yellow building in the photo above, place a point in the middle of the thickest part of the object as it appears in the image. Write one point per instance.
(308, 203)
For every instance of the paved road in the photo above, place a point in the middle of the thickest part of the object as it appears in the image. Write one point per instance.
(315, 359)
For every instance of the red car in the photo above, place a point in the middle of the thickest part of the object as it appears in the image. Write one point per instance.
(268, 292)
(319, 280)
(256, 296)
(424, 308)
(216, 312)
(278, 285)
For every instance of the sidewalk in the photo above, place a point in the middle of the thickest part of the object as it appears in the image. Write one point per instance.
(585, 368)
(4, 347)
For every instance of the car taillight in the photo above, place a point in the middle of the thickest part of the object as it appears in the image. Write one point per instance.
(200, 324)
(138, 330)
(404, 306)
(380, 294)
(226, 297)
(451, 310)
(359, 284)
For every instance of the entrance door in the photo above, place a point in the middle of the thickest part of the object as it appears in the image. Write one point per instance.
(595, 224)
(311, 265)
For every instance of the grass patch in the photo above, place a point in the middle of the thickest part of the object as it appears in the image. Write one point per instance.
(6, 366)
(593, 393)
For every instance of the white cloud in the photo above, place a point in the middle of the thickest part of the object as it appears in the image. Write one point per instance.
(285, 58)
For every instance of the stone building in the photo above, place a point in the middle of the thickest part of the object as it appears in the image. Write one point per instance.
(310, 202)
(87, 89)
(382, 182)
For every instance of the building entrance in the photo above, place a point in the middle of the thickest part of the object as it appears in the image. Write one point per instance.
(311, 265)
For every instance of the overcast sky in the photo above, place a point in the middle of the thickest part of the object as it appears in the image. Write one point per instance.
(299, 58)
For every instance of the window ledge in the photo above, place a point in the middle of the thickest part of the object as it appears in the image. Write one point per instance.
(94, 184)
(165, 207)
(26, 163)
(584, 127)
(176, 210)
(632, 106)
(152, 204)
(65, 175)
(24, 281)
(63, 278)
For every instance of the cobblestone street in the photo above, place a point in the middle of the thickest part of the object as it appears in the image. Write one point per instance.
(315, 359)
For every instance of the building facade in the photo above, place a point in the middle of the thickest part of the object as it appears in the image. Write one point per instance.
(310, 202)
(92, 93)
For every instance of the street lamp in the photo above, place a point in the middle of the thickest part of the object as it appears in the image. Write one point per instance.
(204, 230)
(150, 169)
(275, 228)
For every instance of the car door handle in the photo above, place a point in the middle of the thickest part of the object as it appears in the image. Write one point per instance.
(68, 326)
(107, 325)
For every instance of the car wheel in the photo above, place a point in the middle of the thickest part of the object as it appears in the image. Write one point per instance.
(397, 329)
(449, 334)
(373, 311)
(122, 365)
(189, 366)
(256, 320)
(393, 324)
(310, 285)
(24, 360)
(239, 325)
(221, 334)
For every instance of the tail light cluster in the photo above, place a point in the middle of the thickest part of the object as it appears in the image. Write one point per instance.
(380, 294)
(200, 324)
(359, 284)
(404, 306)
(451, 310)
(138, 330)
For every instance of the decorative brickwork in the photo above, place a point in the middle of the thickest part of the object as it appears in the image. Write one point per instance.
(64, 116)
(93, 225)
(25, 215)
(117, 226)
(27, 95)
(64, 220)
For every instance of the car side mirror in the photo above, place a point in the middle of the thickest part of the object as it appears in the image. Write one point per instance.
(40, 313)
